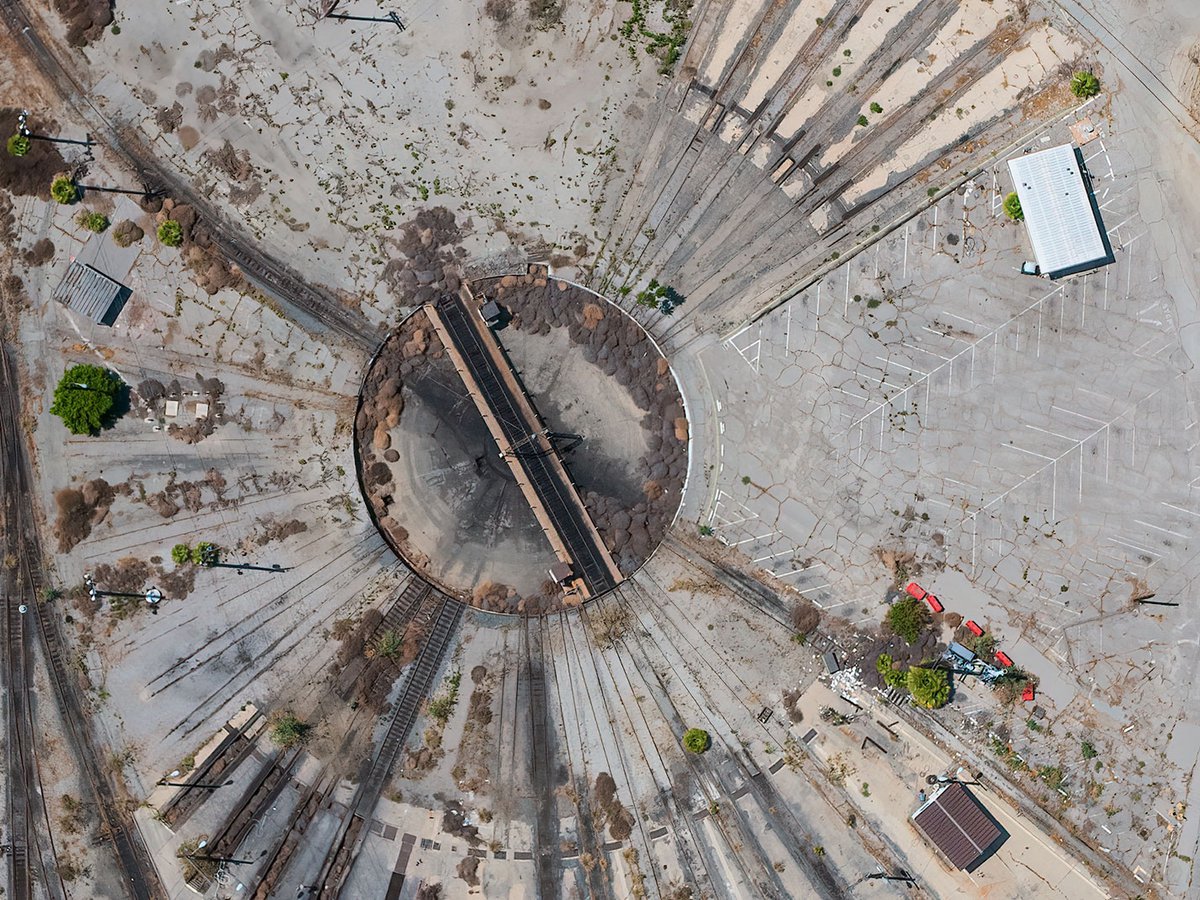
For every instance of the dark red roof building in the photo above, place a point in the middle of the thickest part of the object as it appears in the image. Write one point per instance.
(958, 826)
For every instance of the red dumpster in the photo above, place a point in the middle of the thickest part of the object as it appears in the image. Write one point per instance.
(1002, 658)
(1028, 694)
(934, 603)
(915, 591)
(973, 627)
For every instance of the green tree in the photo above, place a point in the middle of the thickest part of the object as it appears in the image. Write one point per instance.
(84, 398)
(181, 553)
(1084, 84)
(18, 145)
(929, 687)
(907, 618)
(892, 676)
(696, 740)
(205, 553)
(64, 190)
(170, 233)
(289, 731)
(1012, 207)
(92, 221)
(876, 108)
(863, 122)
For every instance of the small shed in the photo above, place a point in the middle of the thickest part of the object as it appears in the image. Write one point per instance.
(491, 313)
(957, 824)
(91, 293)
(560, 572)
(1061, 214)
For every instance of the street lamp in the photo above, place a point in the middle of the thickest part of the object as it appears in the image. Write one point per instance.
(218, 859)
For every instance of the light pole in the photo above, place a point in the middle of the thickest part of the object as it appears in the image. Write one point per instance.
(23, 130)
(392, 17)
(218, 859)
(186, 784)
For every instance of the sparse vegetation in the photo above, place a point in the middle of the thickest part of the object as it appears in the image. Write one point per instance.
(1012, 207)
(666, 47)
(1088, 751)
(442, 706)
(660, 297)
(92, 221)
(696, 740)
(1084, 84)
(85, 397)
(289, 731)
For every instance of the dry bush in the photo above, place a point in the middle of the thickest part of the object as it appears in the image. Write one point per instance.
(40, 253)
(85, 19)
(805, 616)
(126, 233)
(609, 623)
(80, 509)
(468, 870)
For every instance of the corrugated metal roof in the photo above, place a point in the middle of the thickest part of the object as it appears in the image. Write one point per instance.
(957, 824)
(90, 293)
(1063, 224)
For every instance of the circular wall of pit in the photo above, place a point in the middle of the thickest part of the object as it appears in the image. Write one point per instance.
(445, 500)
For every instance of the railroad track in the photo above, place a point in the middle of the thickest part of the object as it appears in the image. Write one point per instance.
(315, 307)
(137, 868)
(439, 615)
(547, 852)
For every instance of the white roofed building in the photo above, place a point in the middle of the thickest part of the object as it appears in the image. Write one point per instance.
(1061, 214)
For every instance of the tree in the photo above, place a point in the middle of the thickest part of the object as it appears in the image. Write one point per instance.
(18, 145)
(92, 221)
(1012, 207)
(876, 108)
(696, 740)
(181, 553)
(85, 397)
(929, 687)
(863, 122)
(1084, 84)
(289, 731)
(205, 553)
(64, 190)
(170, 233)
(907, 618)
(892, 676)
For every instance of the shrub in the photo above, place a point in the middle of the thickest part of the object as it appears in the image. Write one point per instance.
(92, 221)
(837, 71)
(170, 233)
(180, 554)
(85, 397)
(929, 687)
(1012, 207)
(696, 740)
(18, 145)
(1085, 84)
(64, 190)
(389, 645)
(907, 618)
(863, 122)
(1088, 751)
(806, 616)
(289, 731)
(876, 108)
